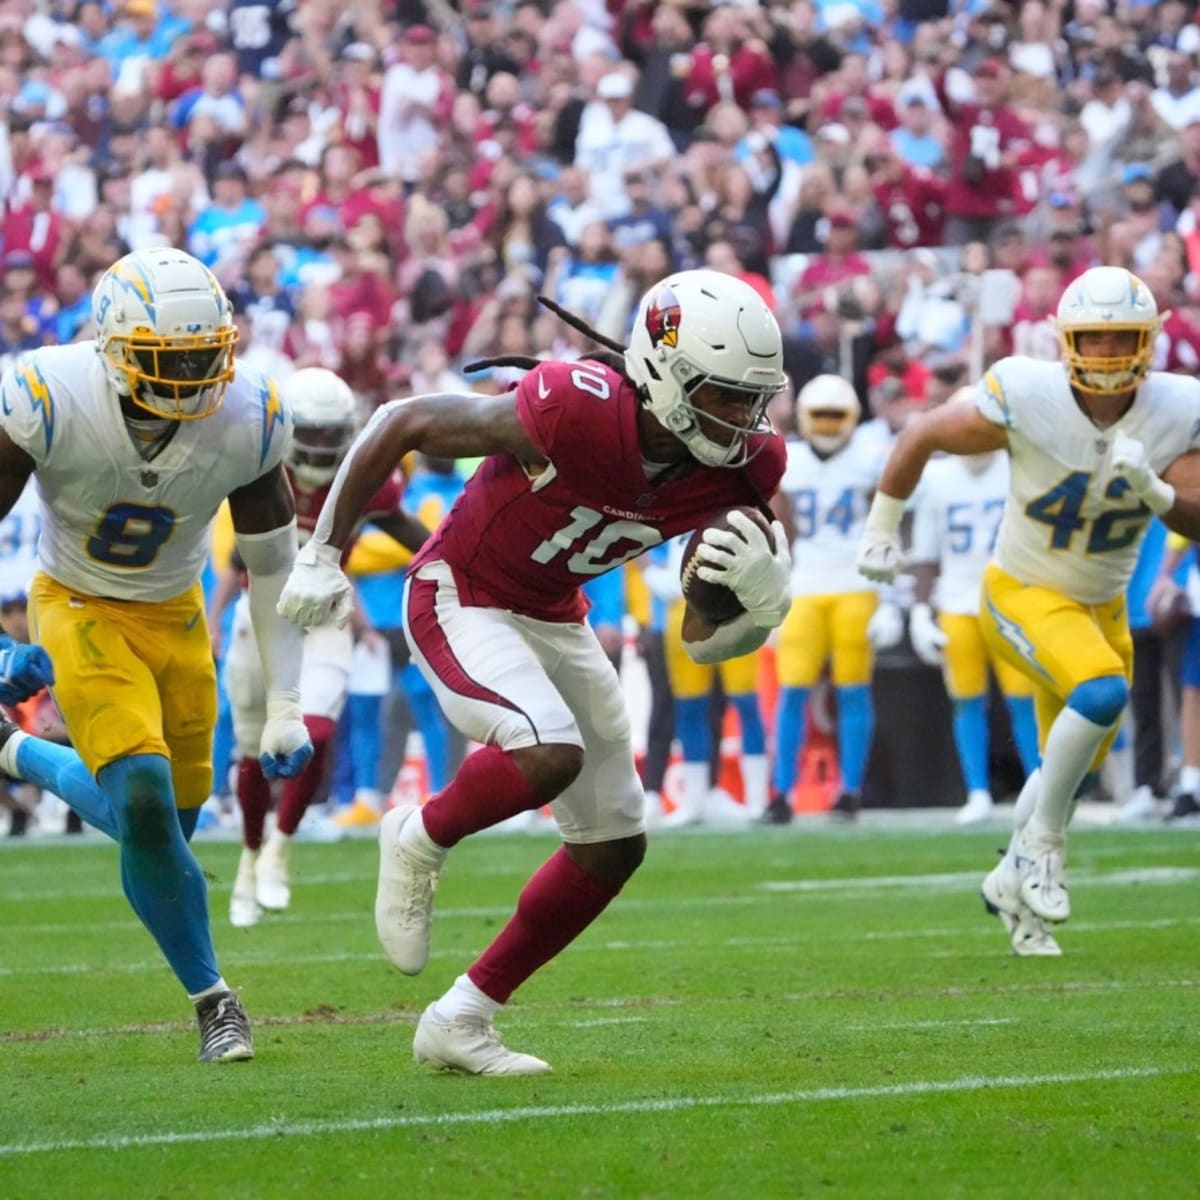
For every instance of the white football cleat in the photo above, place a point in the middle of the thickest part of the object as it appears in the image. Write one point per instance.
(272, 888)
(404, 896)
(244, 908)
(977, 809)
(1043, 873)
(1028, 933)
(469, 1044)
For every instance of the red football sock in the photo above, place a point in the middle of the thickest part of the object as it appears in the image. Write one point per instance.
(297, 794)
(555, 907)
(488, 788)
(254, 799)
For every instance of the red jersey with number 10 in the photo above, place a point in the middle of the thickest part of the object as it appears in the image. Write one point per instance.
(526, 541)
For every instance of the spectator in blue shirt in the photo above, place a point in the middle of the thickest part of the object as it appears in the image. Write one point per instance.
(224, 231)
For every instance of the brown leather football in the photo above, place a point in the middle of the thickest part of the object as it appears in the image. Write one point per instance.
(713, 601)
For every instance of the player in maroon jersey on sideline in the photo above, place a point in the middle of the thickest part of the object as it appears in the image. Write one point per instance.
(589, 465)
(325, 418)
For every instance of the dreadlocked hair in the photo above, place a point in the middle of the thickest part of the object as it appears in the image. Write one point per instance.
(612, 355)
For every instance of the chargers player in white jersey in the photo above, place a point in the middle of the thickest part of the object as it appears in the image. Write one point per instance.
(822, 503)
(1096, 444)
(956, 519)
(134, 440)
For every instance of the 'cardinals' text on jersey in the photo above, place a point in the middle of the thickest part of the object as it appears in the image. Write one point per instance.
(1072, 523)
(115, 524)
(526, 539)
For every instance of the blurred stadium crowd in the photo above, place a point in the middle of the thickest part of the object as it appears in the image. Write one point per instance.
(384, 188)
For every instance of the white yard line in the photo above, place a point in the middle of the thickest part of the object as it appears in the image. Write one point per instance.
(282, 1128)
(977, 929)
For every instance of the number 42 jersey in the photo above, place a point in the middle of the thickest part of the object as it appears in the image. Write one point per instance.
(526, 539)
(1071, 522)
(115, 524)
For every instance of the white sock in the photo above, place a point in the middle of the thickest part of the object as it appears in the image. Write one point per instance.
(979, 796)
(1189, 777)
(754, 783)
(1071, 747)
(216, 989)
(8, 753)
(1027, 800)
(416, 840)
(464, 999)
(693, 787)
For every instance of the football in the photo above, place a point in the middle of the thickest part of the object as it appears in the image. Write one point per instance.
(713, 601)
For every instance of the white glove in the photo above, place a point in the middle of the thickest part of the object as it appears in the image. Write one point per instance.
(317, 592)
(1129, 460)
(759, 574)
(885, 629)
(879, 551)
(285, 747)
(879, 556)
(926, 635)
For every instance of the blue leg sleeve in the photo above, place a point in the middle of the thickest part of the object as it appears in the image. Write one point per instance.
(971, 740)
(754, 737)
(789, 736)
(365, 740)
(223, 744)
(1024, 729)
(60, 770)
(691, 728)
(341, 779)
(162, 879)
(856, 727)
(431, 725)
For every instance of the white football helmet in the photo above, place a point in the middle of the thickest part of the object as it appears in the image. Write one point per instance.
(700, 327)
(325, 416)
(827, 412)
(1104, 299)
(164, 330)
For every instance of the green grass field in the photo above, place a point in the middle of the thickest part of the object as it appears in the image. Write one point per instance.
(793, 1013)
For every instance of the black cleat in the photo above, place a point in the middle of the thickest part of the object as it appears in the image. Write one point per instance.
(1185, 806)
(224, 1029)
(7, 728)
(74, 822)
(778, 811)
(846, 806)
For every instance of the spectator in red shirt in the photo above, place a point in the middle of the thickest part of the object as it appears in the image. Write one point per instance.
(1034, 329)
(356, 94)
(987, 138)
(36, 228)
(731, 63)
(852, 82)
(839, 262)
(911, 202)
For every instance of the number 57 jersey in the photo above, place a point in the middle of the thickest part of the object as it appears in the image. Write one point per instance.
(525, 538)
(115, 524)
(1072, 523)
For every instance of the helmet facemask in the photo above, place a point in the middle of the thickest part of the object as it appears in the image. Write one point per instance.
(181, 378)
(316, 452)
(693, 424)
(1109, 376)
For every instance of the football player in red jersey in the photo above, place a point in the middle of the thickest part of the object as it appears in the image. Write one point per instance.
(588, 465)
(325, 415)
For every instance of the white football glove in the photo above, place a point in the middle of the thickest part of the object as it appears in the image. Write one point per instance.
(759, 574)
(885, 629)
(926, 635)
(1129, 459)
(879, 556)
(317, 592)
(285, 747)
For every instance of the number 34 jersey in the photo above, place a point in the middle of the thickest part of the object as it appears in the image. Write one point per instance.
(526, 539)
(114, 524)
(829, 498)
(1071, 522)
